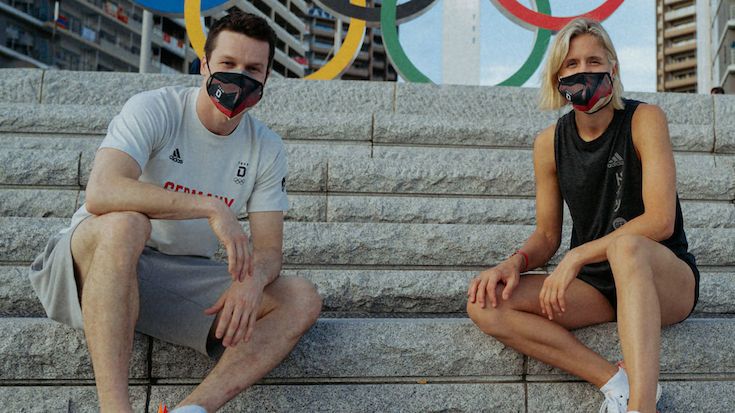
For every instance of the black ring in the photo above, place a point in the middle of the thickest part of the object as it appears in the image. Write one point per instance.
(344, 9)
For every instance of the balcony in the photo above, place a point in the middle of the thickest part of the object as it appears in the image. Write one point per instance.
(680, 30)
(681, 47)
(688, 11)
(684, 64)
(680, 83)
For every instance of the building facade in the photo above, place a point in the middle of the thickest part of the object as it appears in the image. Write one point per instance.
(325, 35)
(676, 46)
(721, 55)
(105, 35)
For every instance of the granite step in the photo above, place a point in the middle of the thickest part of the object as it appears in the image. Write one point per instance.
(366, 348)
(390, 170)
(365, 244)
(32, 201)
(419, 396)
(401, 293)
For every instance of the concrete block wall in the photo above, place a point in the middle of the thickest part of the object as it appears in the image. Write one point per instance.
(399, 194)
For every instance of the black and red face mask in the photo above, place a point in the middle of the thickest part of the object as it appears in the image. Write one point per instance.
(233, 92)
(587, 92)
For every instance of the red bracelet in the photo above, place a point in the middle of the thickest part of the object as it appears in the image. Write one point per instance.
(525, 259)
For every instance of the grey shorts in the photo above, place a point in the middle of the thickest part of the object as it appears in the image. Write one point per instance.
(174, 292)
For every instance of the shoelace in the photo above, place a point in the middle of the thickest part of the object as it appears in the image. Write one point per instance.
(613, 404)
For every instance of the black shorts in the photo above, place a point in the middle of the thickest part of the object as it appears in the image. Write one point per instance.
(600, 277)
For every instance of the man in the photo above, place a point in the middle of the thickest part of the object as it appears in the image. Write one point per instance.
(175, 168)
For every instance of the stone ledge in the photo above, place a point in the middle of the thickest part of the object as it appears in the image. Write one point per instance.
(41, 349)
(365, 291)
(724, 124)
(61, 398)
(693, 346)
(20, 85)
(677, 397)
(364, 348)
(469, 397)
(320, 243)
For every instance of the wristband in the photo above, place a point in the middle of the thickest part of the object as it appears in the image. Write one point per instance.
(525, 259)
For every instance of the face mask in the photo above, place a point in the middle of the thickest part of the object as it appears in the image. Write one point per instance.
(588, 92)
(233, 92)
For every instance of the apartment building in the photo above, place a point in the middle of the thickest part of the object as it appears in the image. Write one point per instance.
(97, 35)
(325, 35)
(104, 35)
(676, 46)
(721, 56)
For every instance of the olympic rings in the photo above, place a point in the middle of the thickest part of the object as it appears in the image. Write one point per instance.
(529, 18)
(406, 11)
(389, 16)
(347, 53)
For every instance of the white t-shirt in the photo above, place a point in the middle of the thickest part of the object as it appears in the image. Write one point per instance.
(161, 130)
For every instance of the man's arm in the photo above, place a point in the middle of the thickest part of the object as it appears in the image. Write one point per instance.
(114, 186)
(240, 304)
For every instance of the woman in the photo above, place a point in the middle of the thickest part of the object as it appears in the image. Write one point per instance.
(611, 161)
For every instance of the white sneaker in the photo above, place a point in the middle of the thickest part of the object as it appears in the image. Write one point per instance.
(189, 408)
(614, 403)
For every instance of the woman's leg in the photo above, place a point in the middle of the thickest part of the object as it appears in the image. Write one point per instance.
(519, 324)
(654, 288)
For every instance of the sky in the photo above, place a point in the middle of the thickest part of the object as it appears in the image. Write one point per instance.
(504, 46)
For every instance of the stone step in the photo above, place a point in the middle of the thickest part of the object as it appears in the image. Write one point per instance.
(697, 122)
(365, 244)
(374, 348)
(423, 245)
(394, 170)
(335, 207)
(498, 397)
(17, 120)
(376, 291)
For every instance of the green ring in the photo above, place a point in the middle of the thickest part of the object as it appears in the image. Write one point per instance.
(393, 47)
(540, 44)
(411, 73)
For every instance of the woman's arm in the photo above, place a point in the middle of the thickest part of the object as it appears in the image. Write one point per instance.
(543, 242)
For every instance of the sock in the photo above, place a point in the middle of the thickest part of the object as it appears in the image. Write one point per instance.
(618, 384)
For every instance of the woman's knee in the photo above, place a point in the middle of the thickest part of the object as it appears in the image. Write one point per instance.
(627, 249)
(489, 320)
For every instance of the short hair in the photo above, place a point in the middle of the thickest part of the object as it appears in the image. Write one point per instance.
(244, 23)
(550, 97)
(717, 90)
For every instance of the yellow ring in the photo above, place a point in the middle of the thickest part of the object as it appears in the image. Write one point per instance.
(346, 53)
(193, 23)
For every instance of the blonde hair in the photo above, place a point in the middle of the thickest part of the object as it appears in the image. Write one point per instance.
(550, 96)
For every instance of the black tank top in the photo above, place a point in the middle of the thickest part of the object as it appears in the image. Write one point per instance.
(601, 182)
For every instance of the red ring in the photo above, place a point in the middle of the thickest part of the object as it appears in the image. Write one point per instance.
(554, 23)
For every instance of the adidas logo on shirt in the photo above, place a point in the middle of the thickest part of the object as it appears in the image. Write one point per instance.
(615, 161)
(176, 156)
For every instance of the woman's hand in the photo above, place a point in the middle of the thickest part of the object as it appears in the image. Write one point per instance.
(551, 296)
(483, 286)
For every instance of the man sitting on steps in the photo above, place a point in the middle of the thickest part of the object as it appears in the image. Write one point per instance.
(175, 168)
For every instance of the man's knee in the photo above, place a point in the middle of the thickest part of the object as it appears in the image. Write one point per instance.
(303, 301)
(127, 227)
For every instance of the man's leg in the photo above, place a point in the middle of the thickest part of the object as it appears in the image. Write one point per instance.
(519, 324)
(106, 251)
(654, 288)
(289, 308)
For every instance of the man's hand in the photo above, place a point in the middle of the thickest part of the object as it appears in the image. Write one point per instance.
(483, 286)
(238, 308)
(551, 296)
(230, 233)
